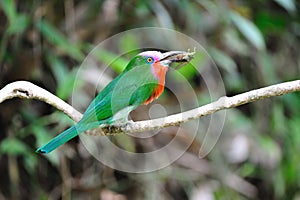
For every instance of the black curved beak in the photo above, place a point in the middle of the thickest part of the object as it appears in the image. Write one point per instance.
(177, 57)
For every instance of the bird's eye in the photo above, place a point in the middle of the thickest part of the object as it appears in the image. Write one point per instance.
(150, 60)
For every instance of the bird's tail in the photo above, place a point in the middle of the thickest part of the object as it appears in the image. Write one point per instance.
(60, 139)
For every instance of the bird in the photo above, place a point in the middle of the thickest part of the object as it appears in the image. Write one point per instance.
(141, 82)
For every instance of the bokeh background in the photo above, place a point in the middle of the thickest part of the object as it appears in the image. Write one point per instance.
(254, 44)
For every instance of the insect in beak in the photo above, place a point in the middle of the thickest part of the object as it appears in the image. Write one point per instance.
(180, 57)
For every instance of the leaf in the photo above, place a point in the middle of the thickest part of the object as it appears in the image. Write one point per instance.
(63, 76)
(249, 30)
(30, 162)
(289, 5)
(223, 60)
(64, 89)
(13, 146)
(58, 39)
(42, 137)
(19, 25)
(128, 43)
(9, 9)
(116, 62)
(234, 42)
(190, 69)
(272, 23)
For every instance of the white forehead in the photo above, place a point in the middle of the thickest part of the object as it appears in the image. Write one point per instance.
(155, 54)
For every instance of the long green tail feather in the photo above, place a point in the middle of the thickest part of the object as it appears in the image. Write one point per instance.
(59, 140)
(68, 134)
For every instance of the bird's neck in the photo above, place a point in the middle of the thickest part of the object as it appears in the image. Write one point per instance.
(159, 72)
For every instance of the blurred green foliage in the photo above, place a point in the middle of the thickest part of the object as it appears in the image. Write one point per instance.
(254, 44)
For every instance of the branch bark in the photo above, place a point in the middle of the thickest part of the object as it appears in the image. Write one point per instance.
(27, 90)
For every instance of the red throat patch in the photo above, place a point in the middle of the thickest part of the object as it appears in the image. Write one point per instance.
(159, 72)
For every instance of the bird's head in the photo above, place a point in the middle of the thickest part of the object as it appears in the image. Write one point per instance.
(163, 59)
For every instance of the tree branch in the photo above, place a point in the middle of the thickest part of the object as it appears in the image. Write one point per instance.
(27, 90)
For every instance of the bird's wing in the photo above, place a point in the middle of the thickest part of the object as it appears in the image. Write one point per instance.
(98, 110)
(130, 89)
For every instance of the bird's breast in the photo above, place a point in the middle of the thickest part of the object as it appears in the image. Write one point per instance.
(159, 72)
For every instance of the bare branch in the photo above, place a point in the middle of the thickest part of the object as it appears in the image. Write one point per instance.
(27, 90)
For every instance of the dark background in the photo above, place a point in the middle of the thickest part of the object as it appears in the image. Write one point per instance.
(254, 44)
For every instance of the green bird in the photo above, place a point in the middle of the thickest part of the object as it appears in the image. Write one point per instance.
(141, 82)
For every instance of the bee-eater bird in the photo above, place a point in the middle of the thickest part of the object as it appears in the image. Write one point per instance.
(140, 83)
